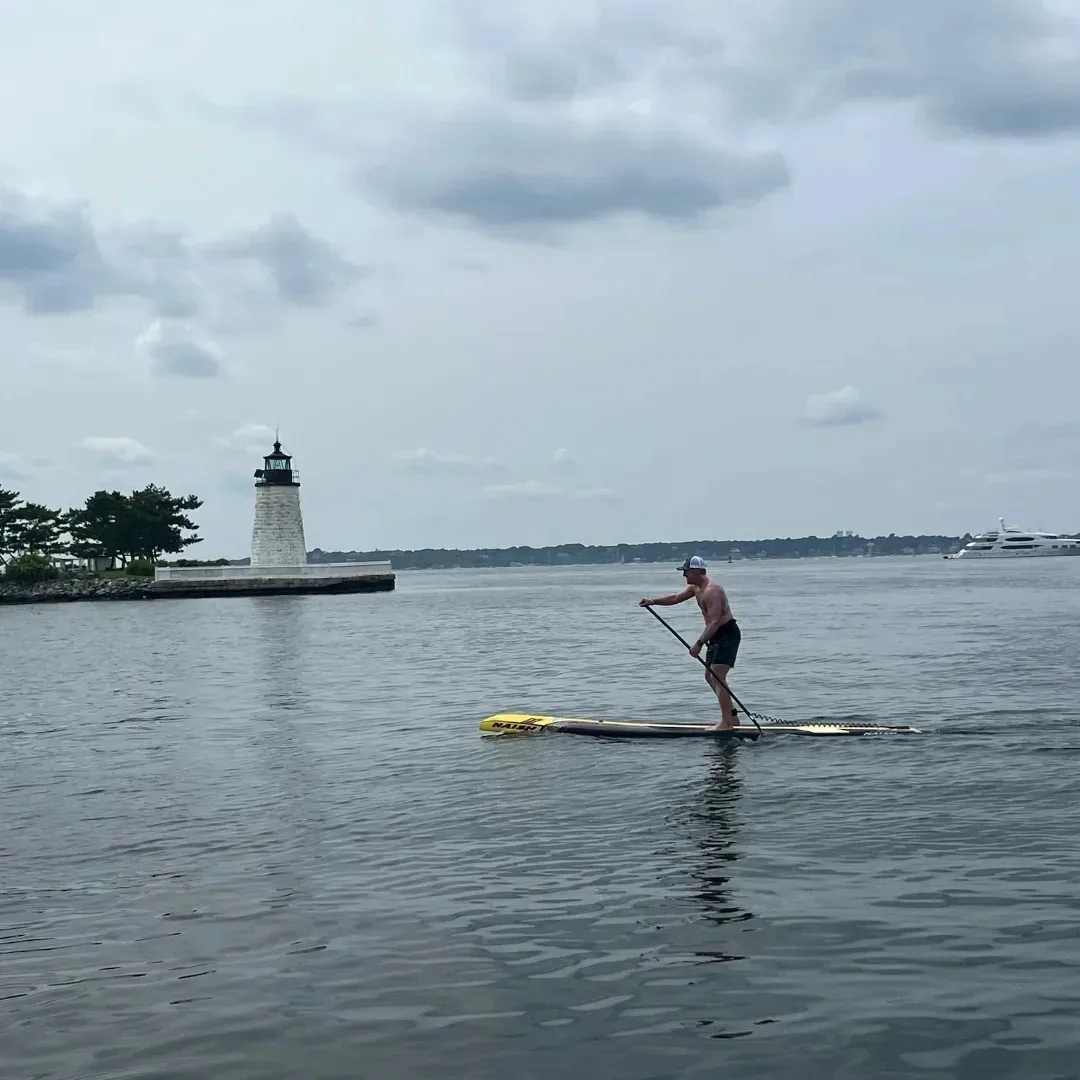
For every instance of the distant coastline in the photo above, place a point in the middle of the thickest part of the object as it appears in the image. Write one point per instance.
(840, 545)
(845, 545)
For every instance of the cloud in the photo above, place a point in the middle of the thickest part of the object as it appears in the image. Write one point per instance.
(562, 459)
(504, 172)
(427, 461)
(585, 113)
(250, 438)
(600, 48)
(55, 261)
(524, 489)
(159, 266)
(992, 68)
(301, 269)
(175, 349)
(584, 121)
(49, 257)
(629, 109)
(995, 68)
(838, 408)
(118, 449)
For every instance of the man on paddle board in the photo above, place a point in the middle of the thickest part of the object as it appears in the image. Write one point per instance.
(721, 633)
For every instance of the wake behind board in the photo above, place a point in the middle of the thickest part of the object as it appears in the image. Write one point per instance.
(531, 724)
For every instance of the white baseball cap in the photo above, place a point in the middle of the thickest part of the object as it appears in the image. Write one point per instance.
(695, 562)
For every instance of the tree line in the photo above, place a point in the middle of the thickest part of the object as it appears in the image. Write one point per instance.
(799, 547)
(144, 524)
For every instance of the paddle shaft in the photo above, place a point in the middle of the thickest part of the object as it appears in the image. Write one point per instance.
(664, 622)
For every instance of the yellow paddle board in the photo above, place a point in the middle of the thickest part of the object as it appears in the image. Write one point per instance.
(535, 724)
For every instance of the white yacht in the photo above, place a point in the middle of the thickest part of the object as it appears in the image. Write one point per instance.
(1011, 543)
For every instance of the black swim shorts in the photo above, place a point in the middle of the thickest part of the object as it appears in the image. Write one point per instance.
(723, 647)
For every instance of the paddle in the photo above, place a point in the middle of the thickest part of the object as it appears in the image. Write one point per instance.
(649, 609)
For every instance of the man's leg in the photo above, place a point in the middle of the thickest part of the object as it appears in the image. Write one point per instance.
(716, 674)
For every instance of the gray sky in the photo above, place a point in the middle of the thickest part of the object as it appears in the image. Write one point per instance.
(545, 271)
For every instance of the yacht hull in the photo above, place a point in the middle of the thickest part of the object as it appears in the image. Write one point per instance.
(1023, 554)
(1008, 542)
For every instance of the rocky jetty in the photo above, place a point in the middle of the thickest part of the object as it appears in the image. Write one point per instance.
(76, 588)
(142, 588)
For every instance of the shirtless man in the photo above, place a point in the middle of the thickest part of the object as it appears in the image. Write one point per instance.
(721, 632)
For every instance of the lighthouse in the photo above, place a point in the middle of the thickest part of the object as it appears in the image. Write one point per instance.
(279, 563)
(277, 533)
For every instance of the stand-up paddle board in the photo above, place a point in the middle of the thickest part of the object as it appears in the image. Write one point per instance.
(531, 724)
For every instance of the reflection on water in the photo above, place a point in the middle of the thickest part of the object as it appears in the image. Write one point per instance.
(714, 815)
(282, 631)
(281, 737)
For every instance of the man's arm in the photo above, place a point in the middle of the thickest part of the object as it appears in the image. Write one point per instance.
(710, 628)
(667, 601)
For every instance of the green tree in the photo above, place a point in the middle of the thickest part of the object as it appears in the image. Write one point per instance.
(158, 522)
(40, 530)
(142, 525)
(28, 528)
(9, 517)
(100, 529)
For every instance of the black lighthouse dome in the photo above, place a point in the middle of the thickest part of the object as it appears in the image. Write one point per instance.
(277, 469)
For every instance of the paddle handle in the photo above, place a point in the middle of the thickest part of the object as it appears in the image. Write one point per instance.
(664, 622)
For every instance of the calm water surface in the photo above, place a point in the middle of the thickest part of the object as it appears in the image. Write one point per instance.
(263, 838)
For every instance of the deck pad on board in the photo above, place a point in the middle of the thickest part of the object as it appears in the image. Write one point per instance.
(531, 724)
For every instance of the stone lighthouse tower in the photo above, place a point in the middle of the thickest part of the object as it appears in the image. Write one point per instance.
(277, 535)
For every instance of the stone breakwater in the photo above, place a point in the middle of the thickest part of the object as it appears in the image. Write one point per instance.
(69, 589)
(90, 588)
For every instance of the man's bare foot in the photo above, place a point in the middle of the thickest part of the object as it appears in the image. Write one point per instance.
(721, 726)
